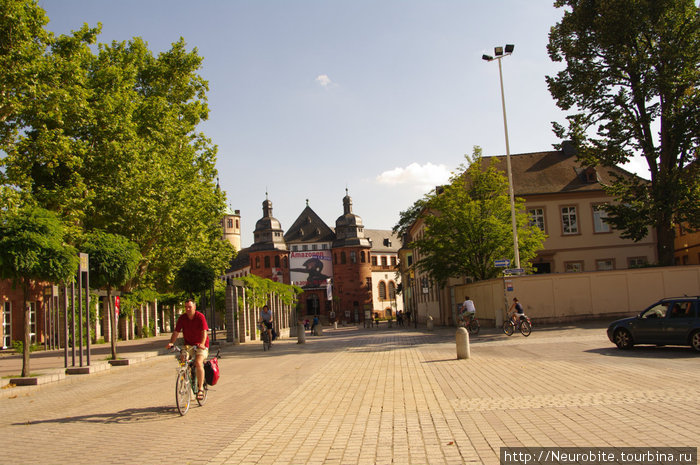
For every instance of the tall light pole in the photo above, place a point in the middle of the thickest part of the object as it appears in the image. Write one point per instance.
(499, 54)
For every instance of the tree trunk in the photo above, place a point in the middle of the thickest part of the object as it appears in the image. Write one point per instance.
(25, 349)
(115, 322)
(665, 247)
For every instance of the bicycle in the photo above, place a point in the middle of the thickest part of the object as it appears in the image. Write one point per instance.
(265, 336)
(186, 382)
(524, 325)
(472, 325)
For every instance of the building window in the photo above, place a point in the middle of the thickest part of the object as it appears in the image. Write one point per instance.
(313, 246)
(573, 267)
(599, 215)
(382, 290)
(237, 224)
(374, 260)
(277, 261)
(636, 262)
(294, 248)
(392, 290)
(569, 221)
(304, 247)
(383, 260)
(353, 256)
(537, 217)
(362, 256)
(324, 246)
(343, 259)
(6, 324)
(257, 262)
(267, 262)
(605, 264)
(368, 282)
(393, 261)
(32, 322)
(229, 223)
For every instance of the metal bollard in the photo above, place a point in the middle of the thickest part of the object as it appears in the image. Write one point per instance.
(462, 340)
(430, 323)
(335, 325)
(301, 334)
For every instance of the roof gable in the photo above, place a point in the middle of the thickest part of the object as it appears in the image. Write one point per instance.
(309, 227)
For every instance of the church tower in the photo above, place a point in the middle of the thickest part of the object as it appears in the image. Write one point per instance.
(231, 226)
(352, 271)
(269, 257)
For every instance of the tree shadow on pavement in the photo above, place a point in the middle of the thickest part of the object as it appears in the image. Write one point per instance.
(132, 415)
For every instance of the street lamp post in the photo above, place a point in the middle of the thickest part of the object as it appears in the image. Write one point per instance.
(499, 54)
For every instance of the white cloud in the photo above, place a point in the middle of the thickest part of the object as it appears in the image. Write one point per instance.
(422, 177)
(324, 80)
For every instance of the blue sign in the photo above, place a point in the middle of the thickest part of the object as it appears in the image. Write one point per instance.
(514, 271)
(503, 263)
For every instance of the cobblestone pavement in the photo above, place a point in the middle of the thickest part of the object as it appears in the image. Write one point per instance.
(361, 396)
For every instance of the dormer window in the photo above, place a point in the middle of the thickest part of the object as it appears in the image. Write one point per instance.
(591, 175)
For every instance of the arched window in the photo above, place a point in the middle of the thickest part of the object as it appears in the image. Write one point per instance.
(267, 261)
(257, 262)
(392, 290)
(362, 256)
(277, 261)
(335, 258)
(343, 260)
(382, 290)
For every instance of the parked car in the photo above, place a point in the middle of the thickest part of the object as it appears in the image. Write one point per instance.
(671, 321)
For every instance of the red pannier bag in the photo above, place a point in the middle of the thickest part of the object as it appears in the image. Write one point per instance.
(211, 371)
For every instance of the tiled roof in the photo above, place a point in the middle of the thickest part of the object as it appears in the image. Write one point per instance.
(379, 238)
(554, 172)
(309, 227)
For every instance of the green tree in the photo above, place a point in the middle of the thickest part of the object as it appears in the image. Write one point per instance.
(113, 262)
(632, 76)
(468, 225)
(32, 250)
(23, 42)
(194, 277)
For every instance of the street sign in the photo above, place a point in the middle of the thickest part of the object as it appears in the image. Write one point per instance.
(509, 285)
(514, 271)
(503, 263)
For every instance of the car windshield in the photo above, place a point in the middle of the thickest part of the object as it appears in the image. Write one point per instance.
(657, 311)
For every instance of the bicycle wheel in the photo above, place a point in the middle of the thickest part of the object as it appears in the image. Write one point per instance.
(525, 328)
(473, 327)
(508, 327)
(182, 392)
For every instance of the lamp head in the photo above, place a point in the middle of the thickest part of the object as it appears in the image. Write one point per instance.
(509, 48)
(486, 57)
(498, 51)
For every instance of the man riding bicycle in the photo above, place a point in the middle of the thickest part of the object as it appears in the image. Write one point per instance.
(193, 326)
(468, 310)
(266, 321)
(516, 314)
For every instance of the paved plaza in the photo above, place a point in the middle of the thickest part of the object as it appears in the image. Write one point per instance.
(366, 396)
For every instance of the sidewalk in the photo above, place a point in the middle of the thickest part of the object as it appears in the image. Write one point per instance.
(358, 396)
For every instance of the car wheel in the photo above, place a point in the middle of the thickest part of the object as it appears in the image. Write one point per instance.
(695, 341)
(623, 339)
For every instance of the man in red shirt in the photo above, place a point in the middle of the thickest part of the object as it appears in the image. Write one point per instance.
(193, 326)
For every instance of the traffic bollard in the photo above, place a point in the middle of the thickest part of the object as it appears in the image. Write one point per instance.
(462, 340)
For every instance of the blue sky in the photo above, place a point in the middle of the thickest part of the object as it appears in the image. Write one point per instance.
(384, 97)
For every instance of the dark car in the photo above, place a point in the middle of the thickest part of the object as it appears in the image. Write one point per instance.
(671, 321)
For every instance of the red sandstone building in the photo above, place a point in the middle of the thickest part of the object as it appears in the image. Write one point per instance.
(333, 266)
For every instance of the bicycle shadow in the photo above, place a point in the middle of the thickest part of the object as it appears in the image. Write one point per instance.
(132, 415)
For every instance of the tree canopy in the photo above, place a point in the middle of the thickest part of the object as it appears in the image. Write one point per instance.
(113, 262)
(468, 225)
(107, 137)
(32, 249)
(632, 80)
